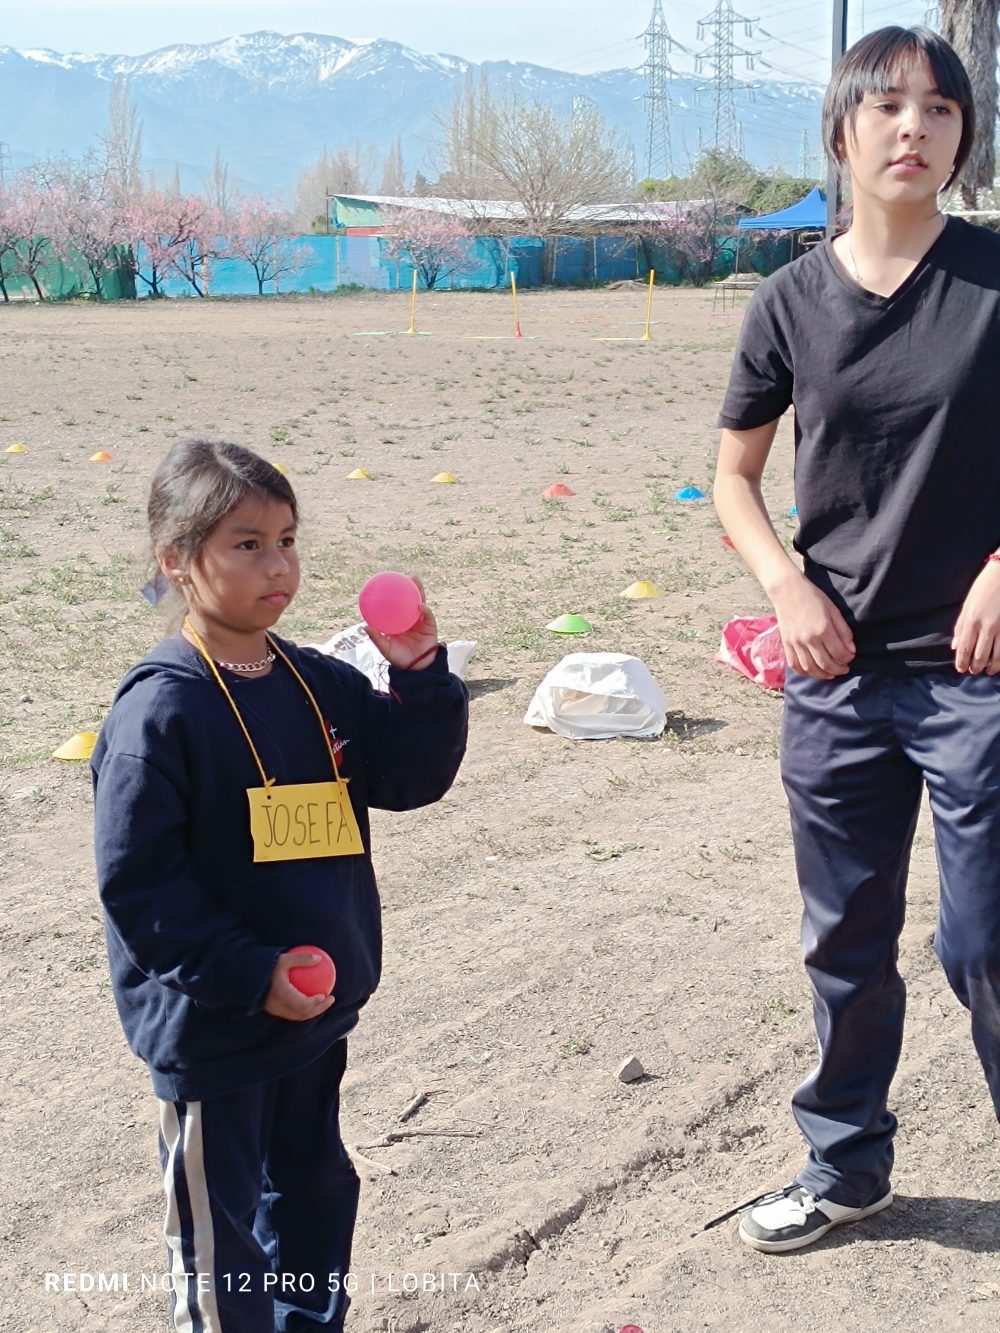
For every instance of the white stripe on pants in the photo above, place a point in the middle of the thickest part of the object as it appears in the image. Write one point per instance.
(196, 1307)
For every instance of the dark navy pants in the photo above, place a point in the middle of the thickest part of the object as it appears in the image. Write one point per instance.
(261, 1203)
(856, 754)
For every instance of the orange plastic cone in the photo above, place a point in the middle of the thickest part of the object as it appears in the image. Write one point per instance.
(102, 456)
(557, 491)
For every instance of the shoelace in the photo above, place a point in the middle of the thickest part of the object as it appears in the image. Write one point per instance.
(771, 1197)
(799, 1208)
(808, 1201)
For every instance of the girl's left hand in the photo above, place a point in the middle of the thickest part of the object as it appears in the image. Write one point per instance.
(413, 647)
(976, 641)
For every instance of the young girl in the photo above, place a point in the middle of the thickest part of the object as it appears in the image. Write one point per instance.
(887, 342)
(233, 778)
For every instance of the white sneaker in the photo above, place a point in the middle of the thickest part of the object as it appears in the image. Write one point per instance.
(794, 1217)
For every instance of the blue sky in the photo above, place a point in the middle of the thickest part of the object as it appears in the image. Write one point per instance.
(580, 35)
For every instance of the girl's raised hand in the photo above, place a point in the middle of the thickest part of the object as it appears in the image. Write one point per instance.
(285, 1001)
(976, 641)
(412, 649)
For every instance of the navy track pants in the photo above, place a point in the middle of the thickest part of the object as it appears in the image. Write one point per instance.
(856, 753)
(261, 1203)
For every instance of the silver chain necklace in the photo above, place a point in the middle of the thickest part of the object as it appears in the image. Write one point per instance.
(850, 255)
(854, 263)
(247, 666)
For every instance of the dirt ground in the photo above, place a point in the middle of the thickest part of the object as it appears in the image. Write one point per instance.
(566, 906)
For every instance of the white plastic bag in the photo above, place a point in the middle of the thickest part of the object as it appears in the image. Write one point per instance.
(354, 646)
(596, 696)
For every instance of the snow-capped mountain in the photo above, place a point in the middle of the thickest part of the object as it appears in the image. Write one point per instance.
(271, 103)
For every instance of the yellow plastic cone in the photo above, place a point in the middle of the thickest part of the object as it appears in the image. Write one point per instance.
(640, 589)
(80, 746)
(445, 478)
(16, 448)
(359, 474)
(102, 456)
(280, 467)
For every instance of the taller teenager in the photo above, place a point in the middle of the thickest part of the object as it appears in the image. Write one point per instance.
(886, 341)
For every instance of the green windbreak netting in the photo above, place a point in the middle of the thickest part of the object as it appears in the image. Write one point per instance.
(68, 277)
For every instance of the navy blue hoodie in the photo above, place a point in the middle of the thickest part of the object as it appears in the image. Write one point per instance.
(194, 927)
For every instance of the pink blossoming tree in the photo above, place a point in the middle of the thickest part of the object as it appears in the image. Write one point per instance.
(438, 245)
(258, 232)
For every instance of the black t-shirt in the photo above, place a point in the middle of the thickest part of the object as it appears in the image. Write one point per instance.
(897, 433)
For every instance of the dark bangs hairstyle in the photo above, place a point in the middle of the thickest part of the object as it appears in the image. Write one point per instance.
(872, 65)
(199, 483)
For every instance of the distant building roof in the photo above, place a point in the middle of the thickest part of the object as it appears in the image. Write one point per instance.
(507, 211)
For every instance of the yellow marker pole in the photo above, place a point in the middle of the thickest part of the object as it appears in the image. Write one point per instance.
(649, 308)
(413, 305)
(517, 317)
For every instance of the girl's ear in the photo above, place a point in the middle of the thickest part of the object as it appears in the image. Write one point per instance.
(172, 564)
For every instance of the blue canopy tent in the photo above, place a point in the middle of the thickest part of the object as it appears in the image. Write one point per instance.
(809, 214)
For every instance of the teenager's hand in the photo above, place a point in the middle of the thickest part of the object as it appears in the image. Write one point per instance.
(816, 637)
(285, 1001)
(976, 642)
(413, 647)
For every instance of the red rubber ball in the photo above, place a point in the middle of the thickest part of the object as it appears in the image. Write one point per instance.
(316, 978)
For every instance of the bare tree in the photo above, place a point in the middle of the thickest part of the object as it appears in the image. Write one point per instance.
(122, 144)
(392, 182)
(971, 27)
(348, 171)
(218, 187)
(525, 151)
(466, 145)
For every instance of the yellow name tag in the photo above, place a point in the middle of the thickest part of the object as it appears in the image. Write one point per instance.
(303, 820)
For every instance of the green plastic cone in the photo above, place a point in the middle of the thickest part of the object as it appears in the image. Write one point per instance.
(570, 624)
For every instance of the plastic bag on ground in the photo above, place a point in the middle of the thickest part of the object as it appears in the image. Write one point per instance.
(354, 646)
(597, 696)
(752, 646)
